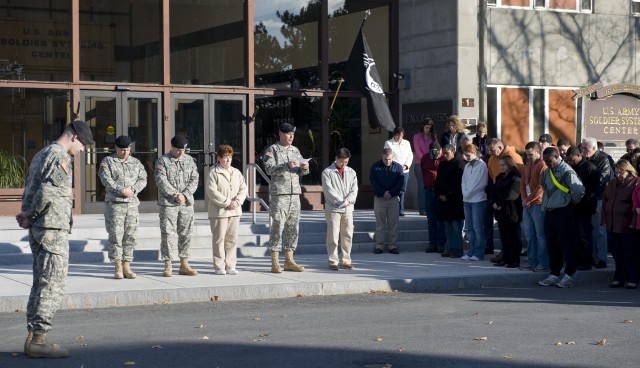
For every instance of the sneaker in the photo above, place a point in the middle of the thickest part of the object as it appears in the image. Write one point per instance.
(333, 267)
(465, 258)
(541, 269)
(474, 258)
(377, 251)
(232, 271)
(549, 281)
(346, 266)
(394, 251)
(566, 282)
(221, 272)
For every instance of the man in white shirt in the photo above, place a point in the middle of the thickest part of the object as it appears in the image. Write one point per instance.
(402, 154)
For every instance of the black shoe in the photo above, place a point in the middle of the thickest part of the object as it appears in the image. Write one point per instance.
(513, 265)
(488, 251)
(455, 255)
(496, 259)
(377, 251)
(401, 213)
(601, 264)
(499, 264)
(423, 213)
(394, 251)
(440, 250)
(431, 250)
(445, 254)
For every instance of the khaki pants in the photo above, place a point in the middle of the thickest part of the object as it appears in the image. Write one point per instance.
(387, 213)
(339, 229)
(224, 241)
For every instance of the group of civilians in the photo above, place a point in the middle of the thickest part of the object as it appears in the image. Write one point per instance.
(573, 203)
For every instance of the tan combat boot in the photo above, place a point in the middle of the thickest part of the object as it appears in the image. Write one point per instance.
(289, 263)
(275, 265)
(27, 342)
(167, 269)
(126, 270)
(41, 348)
(185, 269)
(118, 274)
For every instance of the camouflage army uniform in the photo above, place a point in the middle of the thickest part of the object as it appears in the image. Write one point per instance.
(284, 196)
(172, 177)
(47, 202)
(121, 214)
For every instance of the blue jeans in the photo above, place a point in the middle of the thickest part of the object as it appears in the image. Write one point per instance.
(474, 218)
(422, 206)
(453, 229)
(436, 227)
(533, 221)
(599, 235)
(404, 190)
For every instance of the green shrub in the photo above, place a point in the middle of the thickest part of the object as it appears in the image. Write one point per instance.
(12, 170)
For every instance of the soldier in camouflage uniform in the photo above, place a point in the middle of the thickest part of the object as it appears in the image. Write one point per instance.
(123, 177)
(282, 163)
(177, 179)
(46, 211)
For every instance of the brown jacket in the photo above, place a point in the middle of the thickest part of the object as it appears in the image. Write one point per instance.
(494, 162)
(617, 208)
(532, 177)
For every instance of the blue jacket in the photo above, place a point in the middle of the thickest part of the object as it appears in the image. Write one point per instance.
(385, 178)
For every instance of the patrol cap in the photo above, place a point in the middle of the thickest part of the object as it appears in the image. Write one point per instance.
(287, 128)
(123, 141)
(82, 130)
(179, 141)
(546, 138)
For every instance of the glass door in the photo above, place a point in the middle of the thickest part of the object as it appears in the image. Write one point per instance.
(111, 114)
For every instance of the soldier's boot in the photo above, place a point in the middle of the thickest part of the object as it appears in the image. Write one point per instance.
(167, 269)
(41, 348)
(27, 342)
(126, 270)
(290, 264)
(118, 274)
(185, 269)
(275, 265)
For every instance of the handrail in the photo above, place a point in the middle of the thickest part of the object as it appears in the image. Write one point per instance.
(254, 198)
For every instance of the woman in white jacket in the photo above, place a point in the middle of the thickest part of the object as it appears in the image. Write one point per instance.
(402, 154)
(226, 192)
(474, 181)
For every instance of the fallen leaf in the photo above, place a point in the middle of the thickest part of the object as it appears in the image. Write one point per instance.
(627, 321)
(602, 342)
(156, 347)
(256, 318)
(203, 338)
(214, 298)
(79, 337)
(558, 343)
(165, 302)
(299, 296)
(129, 363)
(201, 326)
(490, 323)
(571, 343)
(263, 335)
(257, 340)
(483, 338)
(507, 356)
(378, 338)
(401, 350)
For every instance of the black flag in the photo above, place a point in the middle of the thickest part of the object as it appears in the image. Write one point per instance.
(361, 74)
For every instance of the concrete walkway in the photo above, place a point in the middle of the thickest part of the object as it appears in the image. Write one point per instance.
(91, 284)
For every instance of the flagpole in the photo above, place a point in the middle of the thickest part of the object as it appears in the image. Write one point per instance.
(366, 14)
(335, 95)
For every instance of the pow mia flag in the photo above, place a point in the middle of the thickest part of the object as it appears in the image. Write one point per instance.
(361, 74)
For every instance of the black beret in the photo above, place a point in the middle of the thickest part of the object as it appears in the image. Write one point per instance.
(287, 128)
(123, 141)
(545, 138)
(179, 142)
(82, 130)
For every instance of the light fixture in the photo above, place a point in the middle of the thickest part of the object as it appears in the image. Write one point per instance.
(400, 76)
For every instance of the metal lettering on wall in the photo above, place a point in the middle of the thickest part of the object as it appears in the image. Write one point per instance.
(46, 46)
(414, 113)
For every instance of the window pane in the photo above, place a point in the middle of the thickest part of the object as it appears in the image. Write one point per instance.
(345, 131)
(563, 4)
(31, 119)
(208, 42)
(301, 112)
(120, 41)
(539, 110)
(562, 115)
(492, 111)
(345, 18)
(515, 116)
(35, 40)
(286, 44)
(524, 3)
(189, 122)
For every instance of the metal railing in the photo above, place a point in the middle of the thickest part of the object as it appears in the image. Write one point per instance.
(251, 181)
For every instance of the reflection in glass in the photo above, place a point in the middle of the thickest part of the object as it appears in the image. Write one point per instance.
(35, 40)
(345, 18)
(301, 112)
(101, 115)
(143, 130)
(207, 42)
(228, 121)
(30, 119)
(189, 122)
(345, 131)
(286, 44)
(120, 41)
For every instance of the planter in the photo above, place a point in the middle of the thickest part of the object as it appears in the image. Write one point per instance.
(10, 201)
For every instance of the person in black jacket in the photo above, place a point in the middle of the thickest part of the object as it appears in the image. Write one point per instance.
(583, 211)
(508, 211)
(387, 180)
(448, 190)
